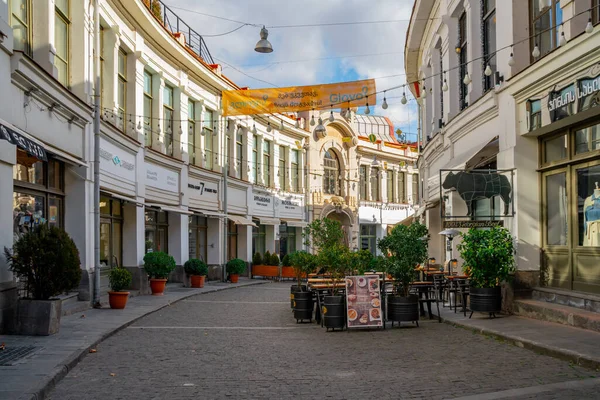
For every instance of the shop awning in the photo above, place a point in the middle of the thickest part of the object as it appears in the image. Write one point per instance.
(173, 209)
(270, 221)
(22, 140)
(239, 220)
(407, 221)
(295, 223)
(121, 197)
(209, 214)
(427, 206)
(474, 157)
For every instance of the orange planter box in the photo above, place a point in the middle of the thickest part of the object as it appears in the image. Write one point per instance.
(269, 271)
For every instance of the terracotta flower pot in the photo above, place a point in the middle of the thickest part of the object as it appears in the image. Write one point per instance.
(118, 300)
(197, 281)
(158, 286)
(234, 278)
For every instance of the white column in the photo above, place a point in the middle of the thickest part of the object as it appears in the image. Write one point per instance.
(133, 235)
(178, 237)
(475, 68)
(214, 231)
(270, 238)
(180, 128)
(158, 126)
(7, 160)
(245, 242)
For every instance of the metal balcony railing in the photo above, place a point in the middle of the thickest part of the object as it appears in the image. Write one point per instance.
(176, 26)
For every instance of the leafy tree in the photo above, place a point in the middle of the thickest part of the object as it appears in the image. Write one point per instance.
(158, 264)
(303, 264)
(489, 256)
(405, 250)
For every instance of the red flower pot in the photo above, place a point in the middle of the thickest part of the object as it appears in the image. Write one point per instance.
(158, 286)
(234, 278)
(197, 281)
(118, 300)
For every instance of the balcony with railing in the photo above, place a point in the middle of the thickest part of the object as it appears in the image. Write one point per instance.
(181, 31)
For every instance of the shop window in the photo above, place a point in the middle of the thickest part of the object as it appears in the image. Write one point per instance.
(266, 164)
(363, 182)
(122, 89)
(197, 228)
(368, 238)
(587, 139)
(588, 205)
(208, 129)
(331, 173)
(111, 232)
(555, 149)
(254, 165)
(287, 240)
(232, 238)
(157, 226)
(295, 170)
(61, 40)
(489, 41)
(20, 21)
(259, 234)
(168, 113)
(239, 149)
(281, 173)
(545, 18)
(148, 108)
(401, 187)
(375, 184)
(390, 185)
(192, 131)
(462, 59)
(556, 209)
(38, 195)
(534, 108)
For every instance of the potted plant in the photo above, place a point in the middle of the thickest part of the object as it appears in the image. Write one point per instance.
(287, 271)
(286, 262)
(158, 266)
(301, 300)
(326, 238)
(257, 259)
(274, 260)
(489, 259)
(47, 261)
(235, 267)
(197, 270)
(405, 250)
(119, 279)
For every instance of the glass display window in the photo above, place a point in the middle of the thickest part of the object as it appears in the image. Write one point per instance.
(111, 232)
(197, 230)
(157, 226)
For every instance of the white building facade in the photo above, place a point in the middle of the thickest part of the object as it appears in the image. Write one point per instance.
(512, 91)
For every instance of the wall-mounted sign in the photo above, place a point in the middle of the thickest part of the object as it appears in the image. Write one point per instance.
(472, 224)
(162, 178)
(116, 161)
(14, 137)
(203, 189)
(263, 200)
(290, 203)
(479, 185)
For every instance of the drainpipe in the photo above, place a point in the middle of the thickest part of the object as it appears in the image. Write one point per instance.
(97, 91)
(225, 167)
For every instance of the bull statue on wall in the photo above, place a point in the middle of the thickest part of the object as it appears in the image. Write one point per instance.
(477, 186)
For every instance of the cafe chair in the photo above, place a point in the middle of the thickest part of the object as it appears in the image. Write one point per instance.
(463, 290)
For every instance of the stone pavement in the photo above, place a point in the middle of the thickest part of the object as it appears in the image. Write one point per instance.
(579, 346)
(31, 377)
(244, 343)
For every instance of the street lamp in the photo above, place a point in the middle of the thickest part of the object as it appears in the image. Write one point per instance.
(263, 45)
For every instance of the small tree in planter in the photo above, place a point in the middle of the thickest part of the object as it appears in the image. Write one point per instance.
(235, 267)
(257, 259)
(119, 280)
(405, 250)
(303, 263)
(274, 261)
(47, 260)
(489, 257)
(198, 270)
(158, 266)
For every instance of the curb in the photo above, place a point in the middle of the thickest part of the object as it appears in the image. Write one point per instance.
(49, 382)
(552, 351)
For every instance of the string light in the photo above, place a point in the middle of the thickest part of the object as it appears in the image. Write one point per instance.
(467, 79)
(511, 59)
(445, 85)
(367, 110)
(536, 51)
(589, 28)
(423, 91)
(269, 129)
(331, 117)
(312, 119)
(404, 100)
(385, 104)
(488, 70)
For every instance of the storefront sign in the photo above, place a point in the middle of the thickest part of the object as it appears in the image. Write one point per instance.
(565, 97)
(298, 98)
(14, 137)
(162, 178)
(471, 224)
(202, 189)
(290, 204)
(363, 301)
(116, 161)
(262, 199)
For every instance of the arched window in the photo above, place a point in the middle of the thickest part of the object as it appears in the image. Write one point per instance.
(331, 174)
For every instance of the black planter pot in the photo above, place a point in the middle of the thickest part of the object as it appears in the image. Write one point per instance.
(334, 312)
(293, 290)
(303, 306)
(403, 309)
(486, 300)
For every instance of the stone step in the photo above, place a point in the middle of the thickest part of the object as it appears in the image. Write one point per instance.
(558, 313)
(584, 301)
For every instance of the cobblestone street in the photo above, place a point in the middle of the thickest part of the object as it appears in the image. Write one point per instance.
(244, 343)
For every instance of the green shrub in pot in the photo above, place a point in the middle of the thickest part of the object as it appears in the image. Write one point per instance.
(274, 261)
(257, 259)
(236, 266)
(158, 264)
(193, 266)
(119, 279)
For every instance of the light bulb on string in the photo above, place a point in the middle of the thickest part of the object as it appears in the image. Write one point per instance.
(467, 79)
(367, 110)
(445, 86)
(385, 104)
(563, 40)
(254, 128)
(536, 51)
(282, 126)
(488, 70)
(589, 28)
(424, 91)
(331, 117)
(511, 60)
(312, 120)
(269, 129)
(404, 100)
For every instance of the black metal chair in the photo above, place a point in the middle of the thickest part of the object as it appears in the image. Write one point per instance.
(463, 289)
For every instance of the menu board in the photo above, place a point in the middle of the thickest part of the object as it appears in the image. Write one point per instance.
(363, 301)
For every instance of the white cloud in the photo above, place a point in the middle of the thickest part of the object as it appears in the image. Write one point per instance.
(309, 43)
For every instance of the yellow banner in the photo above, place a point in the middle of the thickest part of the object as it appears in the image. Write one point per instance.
(299, 98)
